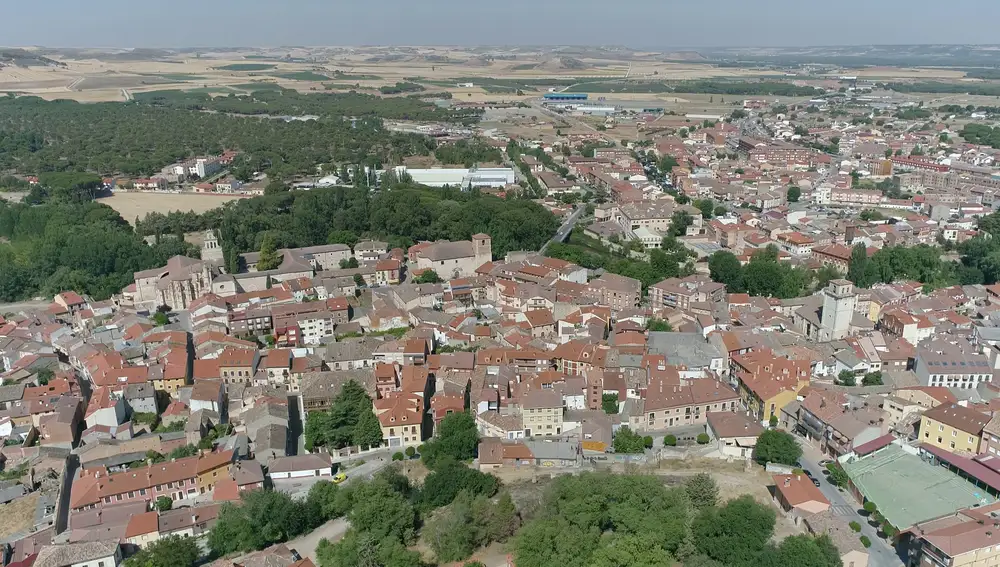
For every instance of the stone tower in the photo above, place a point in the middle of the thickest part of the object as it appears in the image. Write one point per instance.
(482, 248)
(839, 301)
(210, 249)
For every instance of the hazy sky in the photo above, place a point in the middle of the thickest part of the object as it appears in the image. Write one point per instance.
(636, 23)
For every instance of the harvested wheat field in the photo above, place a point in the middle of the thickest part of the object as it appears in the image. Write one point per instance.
(133, 205)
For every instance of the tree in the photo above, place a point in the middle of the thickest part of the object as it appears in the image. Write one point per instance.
(331, 500)
(856, 527)
(865, 541)
(647, 442)
(735, 534)
(872, 379)
(269, 258)
(398, 456)
(702, 490)
(725, 268)
(658, 325)
(838, 476)
(44, 375)
(275, 186)
(348, 422)
(263, 518)
(609, 403)
(803, 550)
(703, 439)
(847, 378)
(631, 550)
(382, 512)
(169, 551)
(870, 507)
(359, 280)
(627, 441)
(451, 532)
(707, 207)
(669, 440)
(457, 439)
(773, 421)
(776, 446)
(164, 503)
(368, 430)
(793, 194)
(410, 451)
(679, 223)
(428, 276)
(444, 483)
(349, 263)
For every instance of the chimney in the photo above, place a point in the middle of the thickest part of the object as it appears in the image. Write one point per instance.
(787, 481)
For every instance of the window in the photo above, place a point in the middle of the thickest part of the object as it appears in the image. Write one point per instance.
(954, 433)
(952, 444)
(970, 440)
(940, 427)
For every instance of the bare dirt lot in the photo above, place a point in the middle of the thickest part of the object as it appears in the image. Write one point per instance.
(132, 205)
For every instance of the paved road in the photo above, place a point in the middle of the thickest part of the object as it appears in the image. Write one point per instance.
(332, 531)
(843, 504)
(566, 227)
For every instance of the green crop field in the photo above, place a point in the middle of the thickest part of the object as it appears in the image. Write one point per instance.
(246, 67)
(301, 76)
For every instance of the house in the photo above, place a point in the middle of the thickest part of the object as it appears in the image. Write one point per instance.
(767, 382)
(735, 433)
(208, 395)
(82, 554)
(495, 453)
(140, 398)
(542, 413)
(669, 404)
(105, 408)
(238, 365)
(452, 260)
(300, 466)
(620, 293)
(797, 494)
(954, 428)
(401, 418)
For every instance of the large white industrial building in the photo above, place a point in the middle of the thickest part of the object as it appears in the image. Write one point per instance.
(464, 178)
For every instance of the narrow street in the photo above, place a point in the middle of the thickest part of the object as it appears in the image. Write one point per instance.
(842, 504)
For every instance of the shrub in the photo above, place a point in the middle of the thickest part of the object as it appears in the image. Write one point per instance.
(866, 542)
(703, 439)
(855, 526)
(670, 441)
(397, 456)
(648, 442)
(870, 507)
(410, 451)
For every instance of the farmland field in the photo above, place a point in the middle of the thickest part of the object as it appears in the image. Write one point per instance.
(246, 67)
(133, 205)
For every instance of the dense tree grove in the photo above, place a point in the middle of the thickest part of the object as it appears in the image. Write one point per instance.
(457, 439)
(764, 275)
(671, 260)
(62, 245)
(170, 551)
(262, 518)
(468, 153)
(350, 421)
(139, 138)
(403, 215)
(614, 520)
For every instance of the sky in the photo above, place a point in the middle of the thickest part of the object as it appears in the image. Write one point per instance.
(634, 23)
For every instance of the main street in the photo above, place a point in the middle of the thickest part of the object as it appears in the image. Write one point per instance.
(881, 554)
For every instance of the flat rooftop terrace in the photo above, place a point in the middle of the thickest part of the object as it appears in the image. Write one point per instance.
(908, 490)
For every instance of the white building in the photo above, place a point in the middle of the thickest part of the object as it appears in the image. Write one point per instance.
(464, 178)
(300, 466)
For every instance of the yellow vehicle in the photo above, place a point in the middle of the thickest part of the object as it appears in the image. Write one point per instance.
(339, 478)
